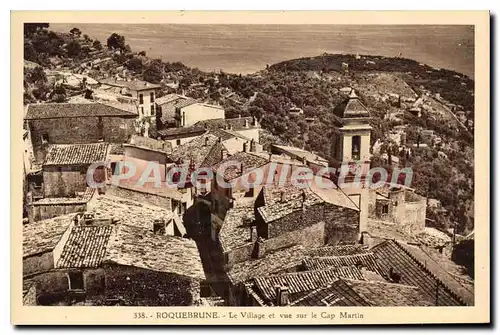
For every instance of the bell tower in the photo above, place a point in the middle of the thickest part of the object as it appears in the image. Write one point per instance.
(351, 150)
(351, 140)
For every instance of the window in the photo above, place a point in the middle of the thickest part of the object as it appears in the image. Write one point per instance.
(178, 142)
(152, 97)
(152, 109)
(385, 209)
(141, 99)
(75, 281)
(356, 147)
(45, 138)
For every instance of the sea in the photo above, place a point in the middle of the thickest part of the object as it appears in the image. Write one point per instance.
(248, 48)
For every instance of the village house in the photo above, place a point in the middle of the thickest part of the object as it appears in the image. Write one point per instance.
(65, 188)
(247, 126)
(179, 136)
(96, 259)
(143, 91)
(166, 109)
(400, 206)
(62, 123)
(188, 114)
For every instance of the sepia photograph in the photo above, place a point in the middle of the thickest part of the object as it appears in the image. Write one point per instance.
(221, 165)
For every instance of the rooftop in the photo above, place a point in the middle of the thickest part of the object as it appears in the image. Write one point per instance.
(75, 154)
(181, 132)
(170, 102)
(300, 154)
(393, 255)
(85, 247)
(194, 151)
(301, 283)
(43, 236)
(338, 250)
(352, 107)
(133, 85)
(79, 198)
(150, 144)
(238, 123)
(367, 260)
(348, 292)
(279, 210)
(68, 110)
(128, 212)
(241, 161)
(281, 261)
(138, 247)
(234, 232)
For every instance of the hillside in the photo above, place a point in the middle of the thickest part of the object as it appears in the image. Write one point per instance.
(397, 91)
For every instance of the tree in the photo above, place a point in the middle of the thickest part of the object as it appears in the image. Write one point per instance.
(116, 42)
(32, 28)
(134, 64)
(97, 45)
(142, 53)
(35, 76)
(59, 94)
(153, 73)
(74, 49)
(75, 32)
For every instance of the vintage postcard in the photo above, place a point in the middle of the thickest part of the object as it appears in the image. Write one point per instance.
(195, 167)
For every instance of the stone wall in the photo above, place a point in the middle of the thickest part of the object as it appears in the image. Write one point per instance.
(79, 130)
(38, 263)
(42, 212)
(140, 287)
(66, 182)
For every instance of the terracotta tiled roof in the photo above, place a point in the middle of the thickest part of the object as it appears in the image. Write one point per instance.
(81, 198)
(235, 232)
(138, 247)
(347, 292)
(338, 250)
(43, 236)
(367, 260)
(279, 210)
(195, 150)
(181, 132)
(235, 163)
(300, 154)
(301, 283)
(85, 247)
(170, 102)
(411, 272)
(133, 85)
(63, 110)
(281, 261)
(76, 154)
(338, 293)
(129, 212)
(214, 156)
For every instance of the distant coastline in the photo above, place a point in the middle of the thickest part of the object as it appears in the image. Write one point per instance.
(251, 47)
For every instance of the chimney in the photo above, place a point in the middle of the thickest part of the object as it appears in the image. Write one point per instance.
(246, 123)
(281, 295)
(239, 116)
(304, 200)
(284, 301)
(223, 154)
(159, 226)
(304, 160)
(270, 156)
(251, 233)
(245, 147)
(258, 248)
(282, 196)
(255, 123)
(206, 141)
(242, 169)
(253, 146)
(219, 140)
